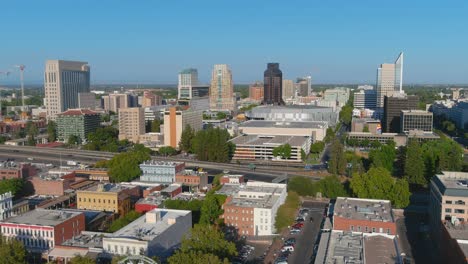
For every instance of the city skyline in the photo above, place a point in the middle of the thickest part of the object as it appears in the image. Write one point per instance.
(339, 43)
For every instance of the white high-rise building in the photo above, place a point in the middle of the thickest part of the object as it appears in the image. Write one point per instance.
(389, 79)
(187, 79)
(63, 81)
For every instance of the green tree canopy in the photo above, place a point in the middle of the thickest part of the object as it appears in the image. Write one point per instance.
(212, 208)
(221, 115)
(125, 166)
(384, 156)
(317, 147)
(12, 251)
(346, 114)
(105, 139)
(287, 211)
(414, 164)
(167, 151)
(186, 139)
(377, 183)
(213, 144)
(51, 131)
(123, 221)
(337, 161)
(282, 151)
(78, 259)
(204, 242)
(11, 185)
(156, 126)
(331, 187)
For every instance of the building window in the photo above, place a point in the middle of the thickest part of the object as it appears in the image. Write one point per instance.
(460, 202)
(373, 230)
(448, 202)
(359, 229)
(352, 228)
(448, 210)
(459, 211)
(388, 231)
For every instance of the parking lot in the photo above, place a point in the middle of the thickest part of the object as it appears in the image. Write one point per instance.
(306, 238)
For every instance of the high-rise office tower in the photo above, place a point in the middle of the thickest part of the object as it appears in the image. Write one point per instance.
(389, 79)
(131, 123)
(393, 105)
(288, 89)
(222, 89)
(273, 85)
(187, 79)
(63, 80)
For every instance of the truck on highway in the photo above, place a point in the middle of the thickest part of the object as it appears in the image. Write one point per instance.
(72, 163)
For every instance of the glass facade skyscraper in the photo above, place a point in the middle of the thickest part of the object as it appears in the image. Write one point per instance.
(273, 85)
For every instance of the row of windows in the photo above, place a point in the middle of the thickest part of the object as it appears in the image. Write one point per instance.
(125, 250)
(456, 211)
(26, 232)
(239, 211)
(366, 229)
(455, 202)
(94, 200)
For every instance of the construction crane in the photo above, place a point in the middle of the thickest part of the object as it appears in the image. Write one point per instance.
(2, 73)
(21, 67)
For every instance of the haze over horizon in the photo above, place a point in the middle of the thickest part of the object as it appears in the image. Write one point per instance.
(150, 42)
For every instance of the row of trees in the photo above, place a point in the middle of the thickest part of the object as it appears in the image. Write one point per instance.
(330, 187)
(105, 139)
(211, 144)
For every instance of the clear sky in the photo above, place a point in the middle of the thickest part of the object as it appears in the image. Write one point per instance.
(150, 41)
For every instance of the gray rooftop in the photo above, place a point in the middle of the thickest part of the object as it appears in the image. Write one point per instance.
(143, 230)
(284, 124)
(273, 141)
(108, 187)
(43, 217)
(345, 248)
(364, 209)
(452, 183)
(380, 249)
(291, 109)
(161, 163)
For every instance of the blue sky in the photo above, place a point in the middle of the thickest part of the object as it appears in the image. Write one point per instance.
(150, 41)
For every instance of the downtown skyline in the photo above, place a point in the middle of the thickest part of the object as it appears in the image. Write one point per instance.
(331, 43)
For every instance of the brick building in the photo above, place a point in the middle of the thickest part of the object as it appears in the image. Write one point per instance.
(172, 190)
(40, 229)
(12, 170)
(52, 184)
(192, 178)
(363, 215)
(234, 179)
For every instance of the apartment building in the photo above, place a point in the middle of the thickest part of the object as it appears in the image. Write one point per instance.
(175, 121)
(131, 123)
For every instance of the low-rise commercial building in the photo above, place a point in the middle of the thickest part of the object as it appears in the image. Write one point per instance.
(77, 122)
(52, 184)
(232, 179)
(192, 178)
(252, 208)
(399, 139)
(416, 120)
(363, 215)
(161, 171)
(108, 197)
(6, 205)
(13, 170)
(40, 229)
(366, 125)
(252, 147)
(172, 190)
(313, 129)
(158, 233)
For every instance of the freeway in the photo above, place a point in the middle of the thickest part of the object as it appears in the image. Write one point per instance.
(56, 155)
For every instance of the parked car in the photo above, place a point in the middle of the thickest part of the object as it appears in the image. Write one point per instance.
(300, 219)
(298, 226)
(287, 248)
(294, 231)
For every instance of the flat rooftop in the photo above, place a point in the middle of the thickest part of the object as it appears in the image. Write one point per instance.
(284, 124)
(273, 141)
(86, 240)
(143, 230)
(345, 248)
(42, 217)
(379, 249)
(416, 112)
(266, 202)
(253, 194)
(364, 209)
(171, 188)
(452, 183)
(107, 187)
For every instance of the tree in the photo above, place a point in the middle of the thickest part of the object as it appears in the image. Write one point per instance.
(12, 251)
(211, 208)
(337, 162)
(78, 259)
(204, 240)
(221, 115)
(346, 114)
(377, 183)
(156, 126)
(414, 164)
(186, 139)
(443, 154)
(302, 186)
(51, 131)
(32, 131)
(330, 135)
(365, 129)
(317, 147)
(213, 144)
(283, 151)
(11, 185)
(287, 211)
(73, 140)
(125, 166)
(331, 187)
(196, 258)
(105, 139)
(167, 151)
(384, 156)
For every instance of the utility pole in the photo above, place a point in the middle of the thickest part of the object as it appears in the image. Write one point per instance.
(21, 67)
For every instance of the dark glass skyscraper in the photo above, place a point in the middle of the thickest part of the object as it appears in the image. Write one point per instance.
(273, 82)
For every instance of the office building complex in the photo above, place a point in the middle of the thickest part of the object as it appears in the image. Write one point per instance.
(273, 85)
(63, 80)
(416, 120)
(370, 125)
(392, 110)
(303, 86)
(40, 230)
(88, 101)
(161, 171)
(131, 123)
(252, 208)
(188, 78)
(77, 122)
(175, 121)
(256, 91)
(150, 99)
(115, 101)
(459, 115)
(365, 99)
(288, 89)
(339, 96)
(108, 197)
(222, 89)
(315, 130)
(157, 233)
(389, 80)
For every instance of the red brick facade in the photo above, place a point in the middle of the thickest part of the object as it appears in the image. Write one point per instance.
(242, 218)
(143, 207)
(52, 187)
(226, 179)
(150, 190)
(68, 229)
(188, 179)
(345, 224)
(23, 171)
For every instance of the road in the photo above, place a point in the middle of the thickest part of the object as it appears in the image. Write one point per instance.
(306, 240)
